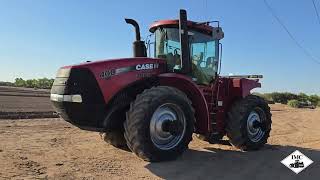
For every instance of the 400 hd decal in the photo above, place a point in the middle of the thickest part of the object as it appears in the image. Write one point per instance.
(112, 72)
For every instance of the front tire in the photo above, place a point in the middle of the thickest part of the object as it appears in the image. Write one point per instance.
(115, 138)
(249, 123)
(159, 124)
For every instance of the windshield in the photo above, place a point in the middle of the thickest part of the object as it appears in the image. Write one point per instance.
(202, 52)
(168, 47)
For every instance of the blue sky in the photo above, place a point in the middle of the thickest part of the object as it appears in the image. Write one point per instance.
(39, 36)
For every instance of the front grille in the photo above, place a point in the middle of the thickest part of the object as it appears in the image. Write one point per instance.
(79, 81)
(89, 113)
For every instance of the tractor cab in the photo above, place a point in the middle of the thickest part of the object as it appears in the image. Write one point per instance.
(201, 48)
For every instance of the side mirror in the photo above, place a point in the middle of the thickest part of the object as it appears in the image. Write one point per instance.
(217, 33)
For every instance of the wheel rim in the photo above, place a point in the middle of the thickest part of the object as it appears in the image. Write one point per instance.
(162, 139)
(257, 116)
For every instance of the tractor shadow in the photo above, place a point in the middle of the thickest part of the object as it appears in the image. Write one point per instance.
(213, 163)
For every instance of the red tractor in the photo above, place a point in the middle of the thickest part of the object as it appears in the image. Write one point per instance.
(153, 105)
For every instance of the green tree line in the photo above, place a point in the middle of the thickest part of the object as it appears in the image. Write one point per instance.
(291, 99)
(43, 83)
(2, 83)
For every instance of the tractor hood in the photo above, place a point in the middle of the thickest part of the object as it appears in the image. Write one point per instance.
(111, 75)
(105, 69)
(80, 92)
(112, 62)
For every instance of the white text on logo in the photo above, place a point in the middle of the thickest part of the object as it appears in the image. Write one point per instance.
(146, 66)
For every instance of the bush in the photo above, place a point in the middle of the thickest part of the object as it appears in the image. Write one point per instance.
(315, 100)
(19, 82)
(282, 98)
(294, 103)
(43, 83)
(302, 97)
(285, 97)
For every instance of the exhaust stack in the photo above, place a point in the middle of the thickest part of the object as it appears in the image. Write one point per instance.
(184, 42)
(139, 48)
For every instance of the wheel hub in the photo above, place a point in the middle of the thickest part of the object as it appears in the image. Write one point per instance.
(167, 126)
(174, 127)
(256, 125)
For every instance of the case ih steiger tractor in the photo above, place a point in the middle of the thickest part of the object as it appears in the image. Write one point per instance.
(153, 105)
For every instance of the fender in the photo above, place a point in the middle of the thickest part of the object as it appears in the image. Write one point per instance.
(244, 86)
(229, 90)
(248, 85)
(199, 103)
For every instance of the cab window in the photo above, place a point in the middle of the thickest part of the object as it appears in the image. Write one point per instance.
(202, 53)
(168, 47)
(203, 57)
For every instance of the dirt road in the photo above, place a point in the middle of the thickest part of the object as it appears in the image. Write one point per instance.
(54, 149)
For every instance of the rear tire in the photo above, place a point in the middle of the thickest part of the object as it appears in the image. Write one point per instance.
(115, 138)
(249, 123)
(115, 116)
(144, 126)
